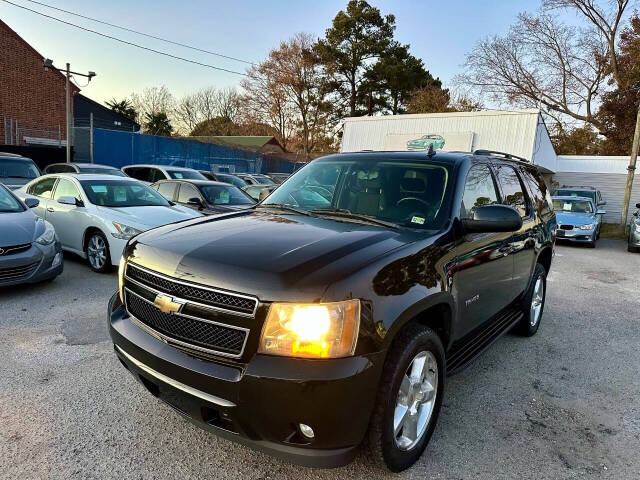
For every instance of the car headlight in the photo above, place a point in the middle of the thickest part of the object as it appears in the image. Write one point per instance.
(588, 226)
(637, 227)
(311, 330)
(48, 236)
(121, 267)
(124, 232)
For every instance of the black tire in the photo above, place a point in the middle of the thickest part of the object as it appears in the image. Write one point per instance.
(106, 266)
(381, 438)
(527, 326)
(633, 249)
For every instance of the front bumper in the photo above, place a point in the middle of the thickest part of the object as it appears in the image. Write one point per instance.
(45, 260)
(634, 237)
(116, 247)
(576, 235)
(262, 402)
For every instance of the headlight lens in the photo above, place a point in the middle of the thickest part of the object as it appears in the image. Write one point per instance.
(48, 236)
(124, 232)
(589, 226)
(121, 266)
(637, 227)
(311, 330)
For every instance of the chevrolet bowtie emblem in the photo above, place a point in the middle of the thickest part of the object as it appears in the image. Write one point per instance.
(167, 304)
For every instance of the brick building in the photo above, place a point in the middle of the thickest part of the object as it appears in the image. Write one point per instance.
(31, 98)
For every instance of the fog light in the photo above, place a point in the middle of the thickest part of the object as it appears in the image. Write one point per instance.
(306, 430)
(57, 260)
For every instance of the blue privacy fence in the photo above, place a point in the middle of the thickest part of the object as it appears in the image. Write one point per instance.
(118, 148)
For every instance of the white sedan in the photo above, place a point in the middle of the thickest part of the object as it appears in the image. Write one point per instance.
(95, 215)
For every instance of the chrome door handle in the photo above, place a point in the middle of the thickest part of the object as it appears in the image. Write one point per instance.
(50, 209)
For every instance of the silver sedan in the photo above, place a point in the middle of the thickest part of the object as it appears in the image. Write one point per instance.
(95, 215)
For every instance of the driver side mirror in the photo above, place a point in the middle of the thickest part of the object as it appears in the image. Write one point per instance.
(31, 202)
(195, 202)
(69, 200)
(493, 218)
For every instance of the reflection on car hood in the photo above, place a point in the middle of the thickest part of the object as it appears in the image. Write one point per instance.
(18, 228)
(574, 218)
(275, 257)
(144, 218)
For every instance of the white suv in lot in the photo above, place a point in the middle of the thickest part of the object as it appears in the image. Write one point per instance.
(95, 215)
(152, 173)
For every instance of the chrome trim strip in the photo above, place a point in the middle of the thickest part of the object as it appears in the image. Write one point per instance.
(203, 287)
(176, 384)
(170, 340)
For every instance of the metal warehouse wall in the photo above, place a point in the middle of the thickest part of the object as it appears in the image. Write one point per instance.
(610, 184)
(118, 148)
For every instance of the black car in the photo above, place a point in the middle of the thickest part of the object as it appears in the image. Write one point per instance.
(375, 275)
(206, 196)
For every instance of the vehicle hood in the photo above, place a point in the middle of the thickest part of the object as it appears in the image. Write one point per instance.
(144, 218)
(14, 183)
(573, 218)
(272, 256)
(18, 228)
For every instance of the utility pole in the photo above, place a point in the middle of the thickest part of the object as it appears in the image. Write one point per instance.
(48, 63)
(631, 170)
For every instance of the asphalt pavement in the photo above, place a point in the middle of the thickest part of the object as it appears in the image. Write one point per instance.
(562, 404)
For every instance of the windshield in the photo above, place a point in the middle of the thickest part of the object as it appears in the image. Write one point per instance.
(411, 194)
(261, 179)
(8, 203)
(232, 179)
(225, 195)
(105, 171)
(121, 193)
(577, 193)
(188, 174)
(18, 168)
(574, 206)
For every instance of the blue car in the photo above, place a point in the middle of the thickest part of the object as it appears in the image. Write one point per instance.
(579, 220)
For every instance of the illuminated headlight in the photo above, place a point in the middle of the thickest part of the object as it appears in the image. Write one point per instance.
(311, 330)
(589, 226)
(124, 232)
(48, 236)
(121, 267)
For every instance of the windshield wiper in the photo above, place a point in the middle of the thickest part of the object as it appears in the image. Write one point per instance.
(284, 206)
(344, 213)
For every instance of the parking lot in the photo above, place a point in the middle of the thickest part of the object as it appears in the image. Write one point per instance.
(562, 404)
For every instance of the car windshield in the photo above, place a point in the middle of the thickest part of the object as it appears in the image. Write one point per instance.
(232, 179)
(261, 179)
(105, 171)
(405, 193)
(577, 193)
(8, 203)
(187, 174)
(570, 205)
(225, 195)
(18, 168)
(121, 193)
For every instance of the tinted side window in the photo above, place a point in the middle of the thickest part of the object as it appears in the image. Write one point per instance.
(155, 175)
(59, 169)
(166, 189)
(66, 188)
(139, 173)
(512, 191)
(186, 192)
(43, 188)
(479, 190)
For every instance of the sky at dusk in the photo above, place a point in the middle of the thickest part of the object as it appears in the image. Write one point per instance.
(439, 32)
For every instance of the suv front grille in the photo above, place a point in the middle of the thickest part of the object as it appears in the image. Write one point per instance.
(208, 296)
(185, 330)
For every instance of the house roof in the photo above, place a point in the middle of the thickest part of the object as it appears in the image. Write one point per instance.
(254, 142)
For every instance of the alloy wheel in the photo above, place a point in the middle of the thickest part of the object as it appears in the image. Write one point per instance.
(536, 302)
(97, 252)
(415, 401)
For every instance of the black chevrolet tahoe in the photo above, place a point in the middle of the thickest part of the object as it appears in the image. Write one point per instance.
(330, 314)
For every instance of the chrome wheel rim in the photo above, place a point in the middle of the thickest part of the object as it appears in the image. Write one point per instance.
(536, 302)
(97, 252)
(415, 400)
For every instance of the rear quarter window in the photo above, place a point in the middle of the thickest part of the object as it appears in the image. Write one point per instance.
(539, 192)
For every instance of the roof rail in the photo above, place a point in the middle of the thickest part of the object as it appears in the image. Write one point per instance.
(502, 154)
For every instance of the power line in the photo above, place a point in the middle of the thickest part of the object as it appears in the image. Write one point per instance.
(143, 34)
(176, 57)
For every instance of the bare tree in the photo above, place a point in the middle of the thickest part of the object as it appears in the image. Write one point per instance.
(205, 104)
(541, 63)
(152, 101)
(604, 18)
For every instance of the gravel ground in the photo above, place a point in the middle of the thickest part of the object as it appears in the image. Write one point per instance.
(563, 404)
